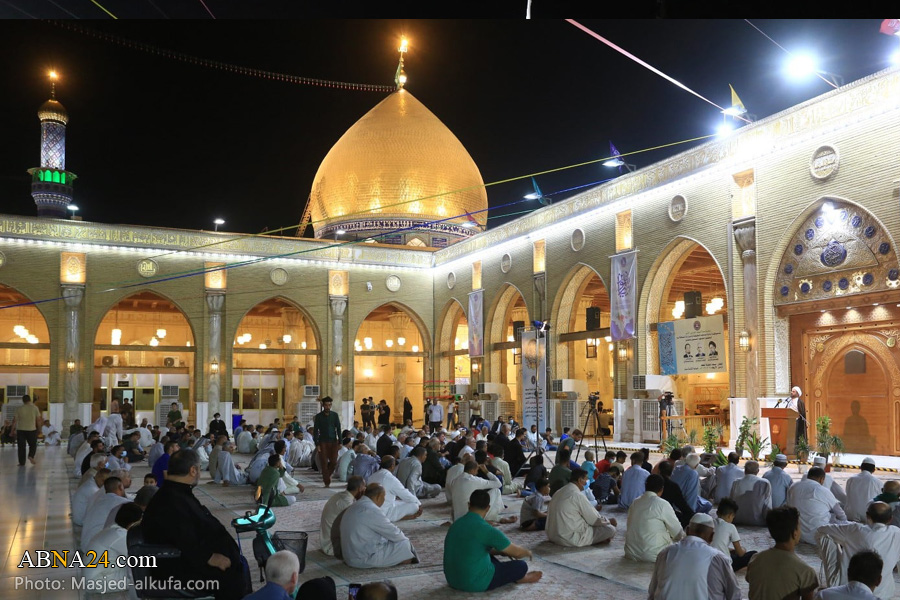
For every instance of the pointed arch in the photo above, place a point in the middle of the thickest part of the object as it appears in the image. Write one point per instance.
(564, 309)
(446, 331)
(106, 319)
(307, 317)
(500, 315)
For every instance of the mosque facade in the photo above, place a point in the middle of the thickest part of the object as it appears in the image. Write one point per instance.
(784, 229)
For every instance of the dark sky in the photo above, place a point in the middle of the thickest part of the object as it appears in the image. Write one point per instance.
(156, 141)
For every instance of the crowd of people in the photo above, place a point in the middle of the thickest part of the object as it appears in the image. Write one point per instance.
(682, 512)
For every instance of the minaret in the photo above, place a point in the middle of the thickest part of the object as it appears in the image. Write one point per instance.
(51, 184)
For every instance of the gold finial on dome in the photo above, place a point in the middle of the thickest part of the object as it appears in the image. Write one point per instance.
(53, 75)
(400, 77)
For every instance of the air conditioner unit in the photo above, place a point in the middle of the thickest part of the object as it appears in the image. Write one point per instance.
(110, 360)
(169, 391)
(15, 392)
(170, 361)
(490, 407)
(501, 390)
(459, 389)
(311, 391)
(662, 383)
(570, 385)
(306, 410)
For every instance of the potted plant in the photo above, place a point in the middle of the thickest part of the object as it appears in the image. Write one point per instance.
(710, 438)
(775, 451)
(826, 442)
(755, 444)
(743, 435)
(802, 448)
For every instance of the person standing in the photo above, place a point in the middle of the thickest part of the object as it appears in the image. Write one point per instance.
(26, 425)
(407, 410)
(384, 413)
(452, 408)
(327, 436)
(434, 415)
(796, 402)
(474, 410)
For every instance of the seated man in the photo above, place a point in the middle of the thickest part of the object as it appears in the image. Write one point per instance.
(344, 461)
(270, 486)
(861, 488)
(864, 574)
(476, 477)
(726, 476)
(633, 481)
(652, 524)
(686, 477)
(509, 486)
(86, 493)
(672, 494)
(830, 484)
(727, 536)
(112, 540)
(174, 517)
(98, 511)
(243, 441)
(227, 473)
(779, 481)
(409, 472)
(778, 572)
(282, 577)
(837, 543)
(617, 468)
(560, 474)
(753, 495)
(214, 454)
(469, 549)
(161, 466)
(399, 503)
(51, 434)
(368, 538)
(365, 463)
(816, 504)
(572, 521)
(533, 514)
(692, 568)
(135, 452)
(356, 487)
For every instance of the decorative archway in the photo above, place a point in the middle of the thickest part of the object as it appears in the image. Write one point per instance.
(144, 351)
(24, 347)
(276, 351)
(390, 359)
(451, 321)
(508, 307)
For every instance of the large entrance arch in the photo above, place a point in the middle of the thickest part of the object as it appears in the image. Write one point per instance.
(24, 349)
(390, 361)
(688, 266)
(452, 364)
(143, 354)
(275, 353)
(508, 311)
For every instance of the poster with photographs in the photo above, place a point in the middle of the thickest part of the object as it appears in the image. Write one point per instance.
(692, 346)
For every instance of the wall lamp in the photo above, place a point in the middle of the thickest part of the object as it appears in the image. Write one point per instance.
(744, 341)
(214, 367)
(70, 365)
(338, 368)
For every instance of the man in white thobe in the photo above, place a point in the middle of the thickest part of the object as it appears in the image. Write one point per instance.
(356, 487)
(452, 474)
(368, 538)
(243, 441)
(213, 465)
(753, 495)
(498, 462)
(75, 441)
(816, 504)
(85, 495)
(399, 502)
(409, 472)
(83, 450)
(343, 465)
(779, 481)
(468, 482)
(97, 513)
(572, 521)
(633, 481)
(227, 473)
(726, 476)
(51, 434)
(693, 569)
(652, 523)
(865, 575)
(830, 484)
(861, 490)
(838, 544)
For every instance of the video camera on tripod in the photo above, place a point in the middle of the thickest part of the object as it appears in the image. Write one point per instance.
(595, 402)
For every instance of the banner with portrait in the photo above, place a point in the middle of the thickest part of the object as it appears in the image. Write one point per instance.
(534, 383)
(692, 346)
(476, 323)
(623, 296)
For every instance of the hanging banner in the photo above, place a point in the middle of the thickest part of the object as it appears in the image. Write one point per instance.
(624, 294)
(476, 323)
(692, 346)
(534, 384)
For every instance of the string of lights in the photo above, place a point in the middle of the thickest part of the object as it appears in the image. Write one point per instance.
(207, 9)
(101, 7)
(218, 65)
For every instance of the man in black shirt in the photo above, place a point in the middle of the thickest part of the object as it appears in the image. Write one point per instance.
(385, 441)
(217, 426)
(672, 494)
(384, 413)
(174, 517)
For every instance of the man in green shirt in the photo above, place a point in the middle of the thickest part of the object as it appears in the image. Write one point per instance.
(469, 549)
(327, 436)
(27, 422)
(174, 418)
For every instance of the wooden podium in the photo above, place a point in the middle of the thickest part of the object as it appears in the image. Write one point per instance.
(782, 428)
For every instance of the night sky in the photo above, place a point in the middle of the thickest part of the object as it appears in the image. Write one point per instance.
(156, 141)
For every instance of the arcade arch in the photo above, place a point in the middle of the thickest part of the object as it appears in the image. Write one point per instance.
(24, 349)
(508, 312)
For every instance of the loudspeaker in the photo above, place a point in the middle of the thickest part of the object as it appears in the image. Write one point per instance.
(517, 330)
(592, 318)
(693, 305)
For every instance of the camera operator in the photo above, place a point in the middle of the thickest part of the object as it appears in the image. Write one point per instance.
(602, 417)
(666, 409)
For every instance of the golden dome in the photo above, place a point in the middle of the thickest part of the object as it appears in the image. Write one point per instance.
(52, 110)
(392, 170)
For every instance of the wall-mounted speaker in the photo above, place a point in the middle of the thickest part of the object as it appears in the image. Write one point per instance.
(592, 318)
(693, 305)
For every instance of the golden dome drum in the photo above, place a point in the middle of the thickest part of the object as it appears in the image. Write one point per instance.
(399, 168)
(52, 110)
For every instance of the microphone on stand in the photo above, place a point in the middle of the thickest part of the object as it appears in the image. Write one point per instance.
(777, 404)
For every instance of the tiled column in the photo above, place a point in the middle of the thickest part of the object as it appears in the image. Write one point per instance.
(73, 295)
(745, 236)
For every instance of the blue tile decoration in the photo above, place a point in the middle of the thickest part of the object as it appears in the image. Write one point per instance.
(856, 221)
(798, 249)
(819, 222)
(884, 248)
(893, 274)
(843, 283)
(784, 290)
(833, 254)
(868, 279)
(788, 269)
(870, 231)
(810, 234)
(826, 285)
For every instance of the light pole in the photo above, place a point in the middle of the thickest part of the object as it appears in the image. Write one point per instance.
(73, 208)
(618, 162)
(218, 222)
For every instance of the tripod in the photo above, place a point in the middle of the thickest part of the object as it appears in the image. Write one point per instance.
(592, 416)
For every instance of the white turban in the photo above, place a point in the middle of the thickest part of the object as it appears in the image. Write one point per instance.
(798, 390)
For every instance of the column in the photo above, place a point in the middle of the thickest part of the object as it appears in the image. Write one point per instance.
(73, 295)
(745, 236)
(399, 324)
(215, 303)
(338, 308)
(294, 326)
(519, 314)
